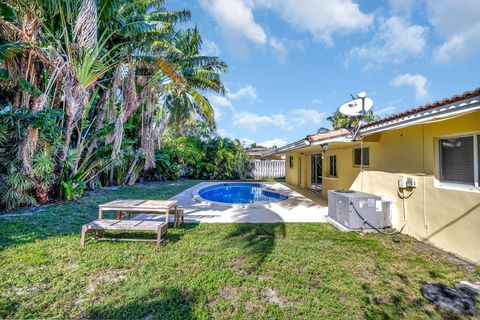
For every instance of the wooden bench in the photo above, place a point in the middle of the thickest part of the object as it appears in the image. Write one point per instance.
(179, 216)
(160, 227)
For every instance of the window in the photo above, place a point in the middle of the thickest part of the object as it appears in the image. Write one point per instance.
(459, 160)
(358, 154)
(290, 162)
(332, 166)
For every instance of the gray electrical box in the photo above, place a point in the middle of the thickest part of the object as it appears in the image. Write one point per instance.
(346, 207)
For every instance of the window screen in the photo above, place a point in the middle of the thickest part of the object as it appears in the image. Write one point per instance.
(457, 160)
(290, 160)
(332, 166)
(357, 156)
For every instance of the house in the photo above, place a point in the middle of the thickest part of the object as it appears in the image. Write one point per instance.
(436, 145)
(263, 154)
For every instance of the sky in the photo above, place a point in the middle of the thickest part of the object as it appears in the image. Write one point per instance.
(292, 63)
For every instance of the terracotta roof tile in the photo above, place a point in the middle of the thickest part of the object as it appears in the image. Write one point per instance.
(439, 103)
(327, 134)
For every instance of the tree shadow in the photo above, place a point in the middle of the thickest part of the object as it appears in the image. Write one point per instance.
(165, 303)
(256, 242)
(28, 225)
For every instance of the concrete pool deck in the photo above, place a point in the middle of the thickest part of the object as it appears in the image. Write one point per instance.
(297, 208)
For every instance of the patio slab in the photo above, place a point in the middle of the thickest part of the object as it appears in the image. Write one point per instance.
(297, 208)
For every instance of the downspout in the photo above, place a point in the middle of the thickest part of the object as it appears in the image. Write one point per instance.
(425, 219)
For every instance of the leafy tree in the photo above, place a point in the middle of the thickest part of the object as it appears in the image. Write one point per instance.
(87, 90)
(338, 120)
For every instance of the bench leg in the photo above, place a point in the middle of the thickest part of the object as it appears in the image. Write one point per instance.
(82, 238)
(178, 221)
(161, 234)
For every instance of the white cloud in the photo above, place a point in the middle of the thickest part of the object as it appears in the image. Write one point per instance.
(402, 7)
(245, 92)
(210, 48)
(246, 142)
(395, 41)
(235, 18)
(251, 121)
(280, 49)
(323, 18)
(457, 21)
(461, 45)
(385, 111)
(293, 119)
(220, 103)
(306, 116)
(277, 142)
(416, 81)
(225, 133)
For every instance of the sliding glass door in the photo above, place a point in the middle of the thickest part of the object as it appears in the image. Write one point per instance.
(316, 172)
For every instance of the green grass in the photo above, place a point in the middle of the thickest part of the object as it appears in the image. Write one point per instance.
(211, 271)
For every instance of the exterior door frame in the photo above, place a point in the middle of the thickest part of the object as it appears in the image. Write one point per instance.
(316, 176)
(299, 170)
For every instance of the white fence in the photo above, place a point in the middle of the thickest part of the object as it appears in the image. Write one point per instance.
(268, 169)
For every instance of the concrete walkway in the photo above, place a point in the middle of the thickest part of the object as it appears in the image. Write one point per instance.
(297, 208)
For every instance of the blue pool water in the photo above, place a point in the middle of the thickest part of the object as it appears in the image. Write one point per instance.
(243, 193)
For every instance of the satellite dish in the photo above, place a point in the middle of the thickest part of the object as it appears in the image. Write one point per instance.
(356, 107)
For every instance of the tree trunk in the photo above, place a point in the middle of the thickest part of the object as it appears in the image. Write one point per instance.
(130, 170)
(160, 130)
(98, 122)
(29, 144)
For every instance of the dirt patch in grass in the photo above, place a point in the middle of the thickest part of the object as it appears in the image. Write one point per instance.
(273, 297)
(230, 293)
(267, 275)
(238, 265)
(26, 291)
(108, 276)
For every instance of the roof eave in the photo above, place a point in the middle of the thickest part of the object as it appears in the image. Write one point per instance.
(448, 110)
(289, 147)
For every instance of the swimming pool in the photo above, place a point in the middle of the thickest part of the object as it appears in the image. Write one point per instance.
(240, 193)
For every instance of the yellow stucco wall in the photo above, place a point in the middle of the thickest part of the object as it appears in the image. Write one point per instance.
(447, 218)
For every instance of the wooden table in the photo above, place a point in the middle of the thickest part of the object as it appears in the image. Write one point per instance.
(140, 206)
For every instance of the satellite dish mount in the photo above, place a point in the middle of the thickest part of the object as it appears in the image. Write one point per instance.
(357, 108)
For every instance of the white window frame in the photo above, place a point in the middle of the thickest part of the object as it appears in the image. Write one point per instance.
(453, 185)
(330, 166)
(361, 156)
(291, 162)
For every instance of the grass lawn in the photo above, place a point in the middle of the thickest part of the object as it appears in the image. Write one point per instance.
(211, 270)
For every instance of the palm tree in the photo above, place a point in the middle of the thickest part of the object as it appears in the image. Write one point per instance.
(100, 64)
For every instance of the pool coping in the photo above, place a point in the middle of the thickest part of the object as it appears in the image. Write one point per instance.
(266, 204)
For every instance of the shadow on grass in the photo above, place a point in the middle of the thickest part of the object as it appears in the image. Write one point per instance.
(165, 303)
(67, 218)
(256, 242)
